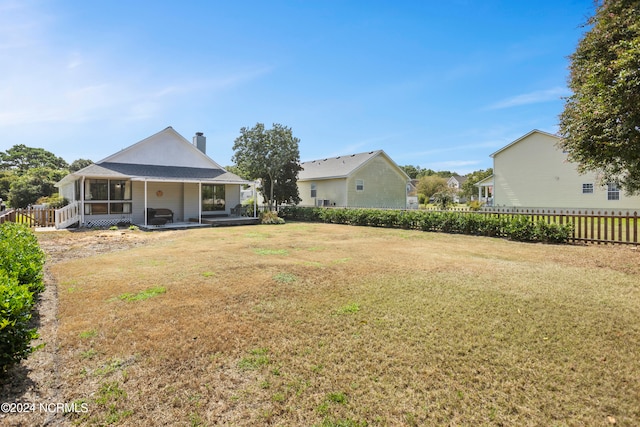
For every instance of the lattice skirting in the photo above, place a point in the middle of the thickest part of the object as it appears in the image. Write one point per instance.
(101, 223)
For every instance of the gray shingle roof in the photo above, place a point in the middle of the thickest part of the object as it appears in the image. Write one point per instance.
(334, 167)
(180, 173)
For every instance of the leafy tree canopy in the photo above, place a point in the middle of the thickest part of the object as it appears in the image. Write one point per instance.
(28, 188)
(21, 158)
(271, 155)
(79, 164)
(600, 124)
(431, 184)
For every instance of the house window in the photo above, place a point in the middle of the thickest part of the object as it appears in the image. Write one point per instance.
(96, 189)
(587, 188)
(106, 191)
(359, 184)
(96, 208)
(213, 197)
(119, 190)
(613, 192)
(120, 208)
(314, 191)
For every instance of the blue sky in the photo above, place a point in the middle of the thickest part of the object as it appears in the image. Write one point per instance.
(436, 84)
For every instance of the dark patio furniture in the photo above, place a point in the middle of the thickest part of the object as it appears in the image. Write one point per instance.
(159, 214)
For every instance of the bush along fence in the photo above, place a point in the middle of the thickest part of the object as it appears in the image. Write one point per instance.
(21, 279)
(522, 228)
(553, 226)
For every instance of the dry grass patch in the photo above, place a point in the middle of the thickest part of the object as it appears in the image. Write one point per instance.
(338, 325)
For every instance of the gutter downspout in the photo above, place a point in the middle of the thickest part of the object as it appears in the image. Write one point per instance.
(199, 202)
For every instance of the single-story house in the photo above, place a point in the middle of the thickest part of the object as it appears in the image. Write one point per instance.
(532, 172)
(370, 180)
(162, 178)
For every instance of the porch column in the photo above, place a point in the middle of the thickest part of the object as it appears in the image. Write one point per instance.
(82, 199)
(200, 202)
(255, 200)
(480, 193)
(145, 203)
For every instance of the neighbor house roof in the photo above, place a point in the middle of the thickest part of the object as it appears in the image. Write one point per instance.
(461, 179)
(339, 167)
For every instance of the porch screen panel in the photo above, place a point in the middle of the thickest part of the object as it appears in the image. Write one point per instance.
(96, 189)
(213, 197)
(120, 190)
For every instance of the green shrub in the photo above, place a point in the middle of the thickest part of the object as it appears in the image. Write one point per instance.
(475, 205)
(270, 217)
(553, 233)
(516, 227)
(16, 303)
(21, 264)
(21, 256)
(521, 228)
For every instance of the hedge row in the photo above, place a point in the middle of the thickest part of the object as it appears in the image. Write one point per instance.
(21, 267)
(518, 227)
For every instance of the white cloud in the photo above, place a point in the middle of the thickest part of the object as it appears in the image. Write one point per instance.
(535, 97)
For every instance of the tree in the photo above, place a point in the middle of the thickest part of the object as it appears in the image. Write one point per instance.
(79, 164)
(272, 156)
(468, 187)
(412, 171)
(28, 188)
(600, 124)
(444, 198)
(430, 185)
(21, 159)
(6, 177)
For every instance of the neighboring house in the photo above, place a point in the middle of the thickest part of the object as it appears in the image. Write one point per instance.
(455, 182)
(533, 172)
(369, 180)
(163, 171)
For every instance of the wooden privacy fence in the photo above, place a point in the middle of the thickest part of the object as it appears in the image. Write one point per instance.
(31, 217)
(591, 226)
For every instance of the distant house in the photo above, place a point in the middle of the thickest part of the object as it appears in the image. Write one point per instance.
(533, 172)
(455, 182)
(162, 178)
(369, 180)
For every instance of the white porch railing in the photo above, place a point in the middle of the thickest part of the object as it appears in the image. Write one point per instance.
(68, 215)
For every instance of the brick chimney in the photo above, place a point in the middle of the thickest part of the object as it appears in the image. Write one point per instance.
(200, 141)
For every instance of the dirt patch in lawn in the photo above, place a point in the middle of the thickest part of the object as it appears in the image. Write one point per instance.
(318, 324)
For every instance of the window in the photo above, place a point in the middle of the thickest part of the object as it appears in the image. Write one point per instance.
(359, 184)
(106, 191)
(587, 188)
(613, 192)
(96, 189)
(314, 191)
(96, 208)
(213, 198)
(119, 190)
(120, 208)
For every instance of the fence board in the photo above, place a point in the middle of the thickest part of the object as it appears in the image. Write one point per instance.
(588, 226)
(31, 217)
